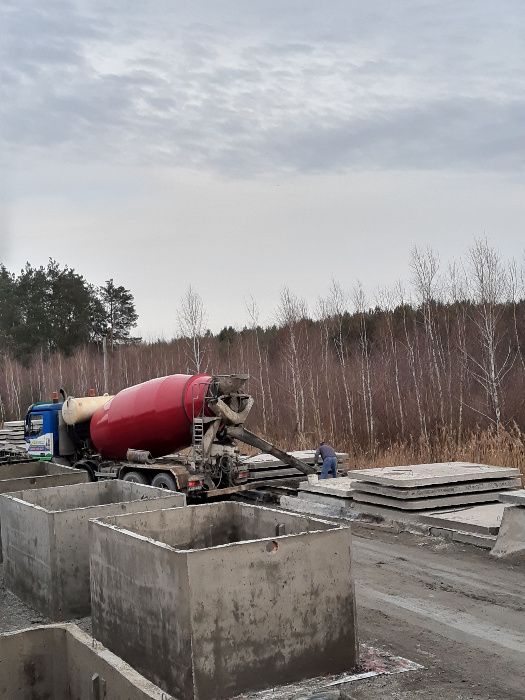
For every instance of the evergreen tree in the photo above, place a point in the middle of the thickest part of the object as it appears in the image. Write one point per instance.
(118, 314)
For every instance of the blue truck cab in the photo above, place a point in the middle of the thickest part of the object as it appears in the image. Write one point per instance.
(42, 430)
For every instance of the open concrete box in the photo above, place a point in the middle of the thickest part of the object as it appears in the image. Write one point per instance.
(60, 662)
(210, 601)
(45, 539)
(37, 475)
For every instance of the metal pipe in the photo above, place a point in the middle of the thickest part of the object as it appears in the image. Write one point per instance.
(240, 433)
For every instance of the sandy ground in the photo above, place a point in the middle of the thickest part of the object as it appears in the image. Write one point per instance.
(448, 607)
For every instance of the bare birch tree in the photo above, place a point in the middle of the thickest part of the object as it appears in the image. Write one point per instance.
(192, 327)
(489, 288)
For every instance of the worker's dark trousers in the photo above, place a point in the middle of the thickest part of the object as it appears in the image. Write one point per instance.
(329, 468)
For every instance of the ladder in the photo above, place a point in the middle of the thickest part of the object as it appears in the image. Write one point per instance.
(197, 439)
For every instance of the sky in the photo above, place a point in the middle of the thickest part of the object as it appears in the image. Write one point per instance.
(245, 145)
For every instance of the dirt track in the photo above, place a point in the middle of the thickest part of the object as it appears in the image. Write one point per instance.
(449, 607)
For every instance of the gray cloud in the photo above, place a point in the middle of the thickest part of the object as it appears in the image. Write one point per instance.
(263, 86)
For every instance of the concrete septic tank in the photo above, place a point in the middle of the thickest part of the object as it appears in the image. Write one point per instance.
(37, 475)
(210, 601)
(45, 539)
(60, 662)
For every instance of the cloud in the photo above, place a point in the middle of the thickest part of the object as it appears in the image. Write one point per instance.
(263, 86)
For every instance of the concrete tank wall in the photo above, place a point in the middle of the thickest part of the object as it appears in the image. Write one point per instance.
(60, 662)
(37, 475)
(45, 539)
(232, 597)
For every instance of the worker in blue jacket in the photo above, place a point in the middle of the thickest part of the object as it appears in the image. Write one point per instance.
(329, 460)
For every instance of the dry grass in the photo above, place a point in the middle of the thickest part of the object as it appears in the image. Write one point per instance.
(504, 448)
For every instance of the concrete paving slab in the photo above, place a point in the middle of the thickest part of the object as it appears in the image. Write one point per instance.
(515, 497)
(432, 474)
(341, 487)
(426, 503)
(483, 520)
(332, 501)
(440, 490)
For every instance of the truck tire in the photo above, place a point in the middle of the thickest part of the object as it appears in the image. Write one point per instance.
(88, 466)
(164, 481)
(135, 477)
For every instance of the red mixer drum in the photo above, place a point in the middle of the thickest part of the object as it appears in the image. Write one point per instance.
(155, 416)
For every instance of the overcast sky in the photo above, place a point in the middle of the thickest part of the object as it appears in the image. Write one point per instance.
(243, 145)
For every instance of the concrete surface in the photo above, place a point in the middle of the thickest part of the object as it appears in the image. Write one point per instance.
(213, 600)
(426, 503)
(441, 490)
(340, 487)
(514, 497)
(432, 474)
(511, 537)
(308, 507)
(305, 455)
(45, 539)
(37, 475)
(60, 662)
(483, 520)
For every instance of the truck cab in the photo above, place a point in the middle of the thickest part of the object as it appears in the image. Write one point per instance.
(45, 432)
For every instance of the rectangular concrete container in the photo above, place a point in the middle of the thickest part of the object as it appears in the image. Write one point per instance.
(60, 662)
(211, 601)
(37, 475)
(45, 539)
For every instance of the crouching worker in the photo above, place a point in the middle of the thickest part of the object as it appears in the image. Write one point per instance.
(329, 460)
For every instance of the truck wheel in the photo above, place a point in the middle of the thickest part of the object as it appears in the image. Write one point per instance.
(87, 466)
(164, 481)
(135, 477)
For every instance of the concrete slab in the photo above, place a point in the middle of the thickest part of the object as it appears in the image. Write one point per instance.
(45, 539)
(59, 662)
(267, 460)
(394, 515)
(341, 487)
(515, 497)
(427, 503)
(511, 537)
(302, 505)
(327, 500)
(214, 600)
(432, 474)
(483, 520)
(441, 490)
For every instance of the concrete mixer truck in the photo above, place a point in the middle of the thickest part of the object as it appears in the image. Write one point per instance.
(178, 432)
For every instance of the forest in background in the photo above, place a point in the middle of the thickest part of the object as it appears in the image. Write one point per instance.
(428, 372)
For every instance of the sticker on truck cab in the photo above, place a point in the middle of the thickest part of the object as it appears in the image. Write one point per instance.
(41, 446)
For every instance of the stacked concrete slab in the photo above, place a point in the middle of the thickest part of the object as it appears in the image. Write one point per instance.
(59, 662)
(45, 539)
(214, 600)
(425, 487)
(511, 537)
(265, 466)
(12, 434)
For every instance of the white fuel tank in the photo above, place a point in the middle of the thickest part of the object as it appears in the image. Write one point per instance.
(78, 410)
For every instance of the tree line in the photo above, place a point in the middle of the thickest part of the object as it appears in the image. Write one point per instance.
(420, 371)
(54, 309)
